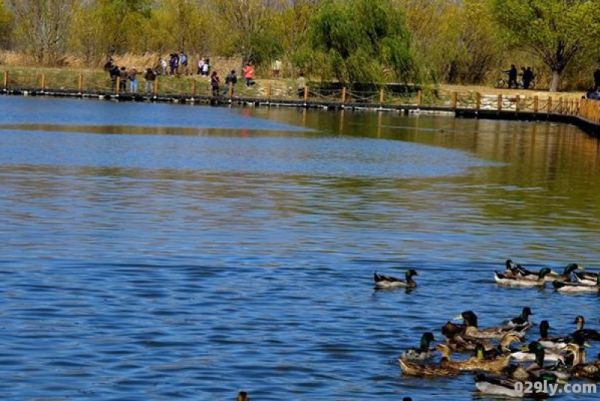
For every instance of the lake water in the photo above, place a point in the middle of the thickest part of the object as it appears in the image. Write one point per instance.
(172, 252)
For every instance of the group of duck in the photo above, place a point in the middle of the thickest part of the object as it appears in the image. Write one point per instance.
(498, 366)
(573, 279)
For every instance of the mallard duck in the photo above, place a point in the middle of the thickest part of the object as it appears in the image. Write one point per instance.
(560, 368)
(504, 386)
(519, 281)
(521, 322)
(416, 369)
(566, 274)
(532, 352)
(551, 343)
(510, 269)
(421, 353)
(587, 334)
(388, 282)
(587, 278)
(473, 332)
(587, 370)
(502, 349)
(477, 362)
(576, 288)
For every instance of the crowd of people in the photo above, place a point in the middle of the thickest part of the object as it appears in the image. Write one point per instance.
(176, 64)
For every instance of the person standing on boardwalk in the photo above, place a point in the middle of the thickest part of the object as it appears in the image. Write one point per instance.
(230, 81)
(183, 62)
(150, 77)
(301, 85)
(214, 83)
(123, 76)
(512, 76)
(132, 77)
(527, 78)
(206, 67)
(249, 74)
(200, 66)
(597, 78)
(114, 72)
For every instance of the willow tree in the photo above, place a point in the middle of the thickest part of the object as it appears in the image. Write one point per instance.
(6, 26)
(556, 31)
(361, 41)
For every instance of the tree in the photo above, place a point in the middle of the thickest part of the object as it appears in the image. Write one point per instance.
(42, 26)
(6, 26)
(556, 31)
(361, 40)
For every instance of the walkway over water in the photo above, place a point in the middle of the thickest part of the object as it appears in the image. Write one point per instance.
(584, 113)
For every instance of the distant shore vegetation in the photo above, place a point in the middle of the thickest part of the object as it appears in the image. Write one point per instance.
(418, 41)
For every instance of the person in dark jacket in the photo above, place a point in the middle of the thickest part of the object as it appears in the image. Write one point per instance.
(512, 77)
(150, 77)
(527, 78)
(214, 83)
(230, 81)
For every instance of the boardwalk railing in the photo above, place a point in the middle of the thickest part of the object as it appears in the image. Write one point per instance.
(96, 83)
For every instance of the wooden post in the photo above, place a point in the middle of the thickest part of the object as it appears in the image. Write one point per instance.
(499, 106)
(5, 79)
(454, 100)
(419, 97)
(80, 83)
(305, 94)
(536, 104)
(560, 105)
(43, 82)
(518, 103)
(118, 85)
(477, 100)
(381, 95)
(549, 104)
(343, 95)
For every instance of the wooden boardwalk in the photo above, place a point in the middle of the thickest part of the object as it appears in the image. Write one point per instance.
(581, 112)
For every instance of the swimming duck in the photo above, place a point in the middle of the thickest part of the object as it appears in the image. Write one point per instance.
(505, 386)
(587, 278)
(521, 322)
(526, 274)
(587, 334)
(416, 369)
(521, 281)
(476, 362)
(560, 368)
(577, 288)
(587, 370)
(551, 343)
(532, 353)
(502, 349)
(423, 352)
(388, 282)
(473, 332)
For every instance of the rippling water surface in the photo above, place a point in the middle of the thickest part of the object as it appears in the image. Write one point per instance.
(162, 252)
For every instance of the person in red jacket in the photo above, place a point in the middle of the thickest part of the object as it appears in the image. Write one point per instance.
(249, 74)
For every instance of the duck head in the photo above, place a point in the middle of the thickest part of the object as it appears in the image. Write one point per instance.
(538, 350)
(580, 322)
(526, 312)
(450, 330)
(544, 327)
(426, 340)
(509, 264)
(410, 273)
(570, 268)
(544, 272)
(470, 318)
(479, 352)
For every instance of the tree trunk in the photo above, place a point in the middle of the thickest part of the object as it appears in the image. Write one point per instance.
(555, 81)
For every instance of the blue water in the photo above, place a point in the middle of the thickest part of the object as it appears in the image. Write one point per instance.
(234, 250)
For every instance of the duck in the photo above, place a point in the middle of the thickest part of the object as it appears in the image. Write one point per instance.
(551, 343)
(566, 274)
(587, 278)
(476, 362)
(502, 349)
(576, 288)
(415, 369)
(423, 352)
(560, 369)
(383, 282)
(508, 387)
(472, 330)
(510, 268)
(530, 353)
(521, 281)
(589, 371)
(521, 322)
(587, 334)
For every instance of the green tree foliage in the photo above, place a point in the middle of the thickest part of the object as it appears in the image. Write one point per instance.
(556, 31)
(361, 41)
(6, 26)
